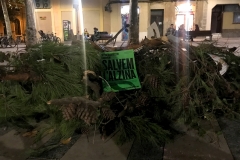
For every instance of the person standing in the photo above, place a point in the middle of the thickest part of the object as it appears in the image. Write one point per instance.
(170, 30)
(86, 34)
(197, 27)
(96, 35)
(182, 32)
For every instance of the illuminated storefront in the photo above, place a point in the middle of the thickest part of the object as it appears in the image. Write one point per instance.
(185, 15)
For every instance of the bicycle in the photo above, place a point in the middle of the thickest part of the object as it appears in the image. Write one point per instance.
(54, 38)
(5, 42)
(18, 40)
(1, 38)
(49, 37)
(44, 37)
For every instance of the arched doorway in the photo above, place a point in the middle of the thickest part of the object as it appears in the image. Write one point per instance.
(17, 27)
(217, 19)
(4, 29)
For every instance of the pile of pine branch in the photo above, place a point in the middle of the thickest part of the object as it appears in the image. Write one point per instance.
(54, 81)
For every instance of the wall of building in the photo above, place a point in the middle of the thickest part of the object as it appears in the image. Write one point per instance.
(88, 16)
(21, 17)
(171, 9)
(115, 19)
(169, 15)
(167, 19)
(44, 21)
(144, 20)
(94, 15)
(199, 17)
(52, 19)
(57, 26)
(211, 4)
(228, 21)
(106, 18)
(229, 29)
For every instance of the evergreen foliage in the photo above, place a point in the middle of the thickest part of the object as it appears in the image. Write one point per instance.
(146, 114)
(142, 129)
(56, 71)
(206, 93)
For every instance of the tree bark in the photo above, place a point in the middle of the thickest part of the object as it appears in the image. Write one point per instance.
(31, 37)
(134, 23)
(6, 18)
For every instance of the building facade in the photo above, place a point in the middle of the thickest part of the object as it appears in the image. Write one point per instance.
(17, 21)
(63, 16)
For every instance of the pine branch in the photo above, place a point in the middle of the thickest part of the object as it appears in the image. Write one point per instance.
(115, 37)
(74, 100)
(22, 77)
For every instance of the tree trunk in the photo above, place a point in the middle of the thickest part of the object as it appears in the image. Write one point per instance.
(6, 17)
(134, 23)
(31, 37)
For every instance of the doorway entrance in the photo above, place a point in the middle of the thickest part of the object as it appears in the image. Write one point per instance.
(217, 19)
(217, 15)
(157, 16)
(186, 19)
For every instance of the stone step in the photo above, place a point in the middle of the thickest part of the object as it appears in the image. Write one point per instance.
(216, 35)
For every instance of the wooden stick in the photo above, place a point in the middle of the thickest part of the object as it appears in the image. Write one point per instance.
(115, 37)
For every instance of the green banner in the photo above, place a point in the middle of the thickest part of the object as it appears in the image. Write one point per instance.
(119, 71)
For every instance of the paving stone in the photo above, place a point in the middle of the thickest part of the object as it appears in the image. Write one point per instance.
(13, 146)
(11, 140)
(86, 149)
(145, 151)
(187, 147)
(58, 152)
(231, 131)
(191, 146)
